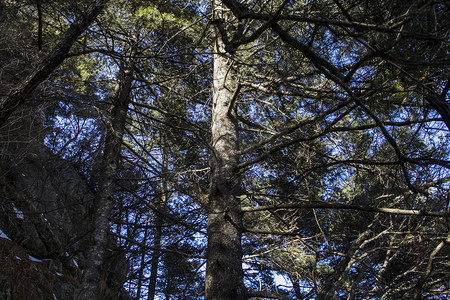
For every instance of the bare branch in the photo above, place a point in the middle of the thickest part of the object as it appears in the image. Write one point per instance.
(336, 205)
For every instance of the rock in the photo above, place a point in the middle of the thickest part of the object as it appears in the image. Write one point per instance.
(5, 288)
(45, 210)
(64, 291)
(55, 190)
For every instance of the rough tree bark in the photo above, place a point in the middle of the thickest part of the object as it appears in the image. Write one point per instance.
(17, 96)
(105, 192)
(224, 275)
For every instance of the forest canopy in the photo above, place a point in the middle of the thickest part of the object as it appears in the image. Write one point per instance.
(227, 149)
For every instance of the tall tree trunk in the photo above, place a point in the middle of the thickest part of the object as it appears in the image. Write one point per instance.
(17, 96)
(155, 258)
(104, 197)
(141, 269)
(159, 218)
(224, 274)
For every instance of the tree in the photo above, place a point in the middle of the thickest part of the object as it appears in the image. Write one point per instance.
(17, 96)
(350, 122)
(106, 188)
(224, 277)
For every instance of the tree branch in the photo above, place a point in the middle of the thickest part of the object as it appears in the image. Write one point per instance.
(336, 205)
(17, 96)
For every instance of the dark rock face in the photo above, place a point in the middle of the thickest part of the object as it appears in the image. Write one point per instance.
(37, 182)
(5, 288)
(45, 210)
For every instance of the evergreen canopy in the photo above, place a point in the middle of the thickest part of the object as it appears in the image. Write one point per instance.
(241, 148)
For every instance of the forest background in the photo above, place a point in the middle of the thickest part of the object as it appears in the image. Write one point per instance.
(228, 149)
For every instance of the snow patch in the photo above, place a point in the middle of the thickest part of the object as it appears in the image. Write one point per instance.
(3, 235)
(19, 213)
(34, 258)
(75, 262)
